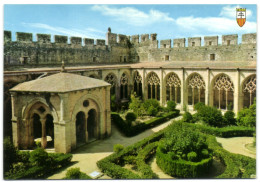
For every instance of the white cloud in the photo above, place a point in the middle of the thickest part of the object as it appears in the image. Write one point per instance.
(219, 25)
(230, 12)
(86, 33)
(133, 16)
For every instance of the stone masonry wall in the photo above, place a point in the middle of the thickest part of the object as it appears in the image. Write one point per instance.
(118, 48)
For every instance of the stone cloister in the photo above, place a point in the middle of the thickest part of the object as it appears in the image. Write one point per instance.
(222, 88)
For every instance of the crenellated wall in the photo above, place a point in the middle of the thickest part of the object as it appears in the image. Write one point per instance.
(118, 48)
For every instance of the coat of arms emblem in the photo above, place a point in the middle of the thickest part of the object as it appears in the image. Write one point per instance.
(241, 16)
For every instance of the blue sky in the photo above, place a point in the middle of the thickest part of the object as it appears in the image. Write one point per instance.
(91, 21)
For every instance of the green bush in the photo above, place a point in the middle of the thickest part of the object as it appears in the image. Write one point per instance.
(187, 117)
(10, 154)
(229, 118)
(247, 116)
(192, 156)
(134, 130)
(75, 173)
(199, 105)
(171, 105)
(136, 105)
(118, 147)
(130, 117)
(39, 157)
(205, 153)
(211, 116)
(152, 106)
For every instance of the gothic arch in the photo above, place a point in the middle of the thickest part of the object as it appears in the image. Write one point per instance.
(249, 90)
(153, 86)
(112, 79)
(196, 88)
(137, 80)
(124, 84)
(223, 91)
(173, 87)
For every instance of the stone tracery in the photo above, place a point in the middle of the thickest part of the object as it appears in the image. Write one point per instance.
(196, 89)
(173, 85)
(111, 78)
(124, 86)
(138, 84)
(249, 90)
(153, 82)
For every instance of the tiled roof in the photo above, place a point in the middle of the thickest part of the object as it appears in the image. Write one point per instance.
(60, 83)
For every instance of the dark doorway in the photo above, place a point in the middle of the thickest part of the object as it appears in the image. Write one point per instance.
(91, 124)
(49, 126)
(81, 127)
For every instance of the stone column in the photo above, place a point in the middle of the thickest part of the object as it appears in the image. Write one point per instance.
(144, 87)
(43, 139)
(86, 127)
(207, 89)
(108, 111)
(183, 94)
(236, 92)
(162, 89)
(15, 122)
(63, 130)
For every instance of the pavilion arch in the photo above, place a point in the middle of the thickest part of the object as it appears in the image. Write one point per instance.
(249, 90)
(153, 86)
(196, 88)
(173, 87)
(222, 88)
(124, 85)
(112, 79)
(86, 110)
(137, 80)
(39, 123)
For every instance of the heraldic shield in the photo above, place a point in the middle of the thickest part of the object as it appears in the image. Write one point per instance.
(241, 16)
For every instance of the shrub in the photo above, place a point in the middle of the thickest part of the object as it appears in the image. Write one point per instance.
(229, 118)
(187, 117)
(130, 117)
(10, 154)
(113, 103)
(118, 147)
(198, 106)
(136, 105)
(171, 105)
(38, 157)
(152, 107)
(211, 116)
(192, 156)
(75, 173)
(247, 116)
(205, 153)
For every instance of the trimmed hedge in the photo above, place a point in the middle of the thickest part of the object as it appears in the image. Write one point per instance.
(181, 168)
(57, 160)
(237, 166)
(134, 130)
(110, 165)
(225, 132)
(142, 157)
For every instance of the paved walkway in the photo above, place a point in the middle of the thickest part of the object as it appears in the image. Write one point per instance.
(86, 156)
(237, 145)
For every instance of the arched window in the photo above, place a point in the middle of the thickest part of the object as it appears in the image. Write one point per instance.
(111, 78)
(249, 90)
(173, 88)
(124, 86)
(153, 83)
(138, 84)
(196, 89)
(223, 92)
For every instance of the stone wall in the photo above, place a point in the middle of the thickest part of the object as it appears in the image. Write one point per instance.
(118, 48)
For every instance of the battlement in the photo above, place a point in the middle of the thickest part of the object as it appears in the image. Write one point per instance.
(23, 37)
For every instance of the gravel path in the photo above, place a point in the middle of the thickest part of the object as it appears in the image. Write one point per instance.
(237, 145)
(85, 157)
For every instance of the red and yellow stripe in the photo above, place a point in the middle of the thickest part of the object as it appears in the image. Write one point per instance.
(241, 21)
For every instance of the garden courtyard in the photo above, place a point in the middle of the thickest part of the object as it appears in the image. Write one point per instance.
(87, 156)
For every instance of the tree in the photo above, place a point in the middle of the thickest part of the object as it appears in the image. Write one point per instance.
(136, 105)
(171, 105)
(247, 116)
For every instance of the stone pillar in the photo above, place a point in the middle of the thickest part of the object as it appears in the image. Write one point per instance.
(15, 122)
(183, 85)
(144, 87)
(236, 91)
(43, 139)
(86, 128)
(207, 89)
(108, 111)
(63, 129)
(162, 89)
